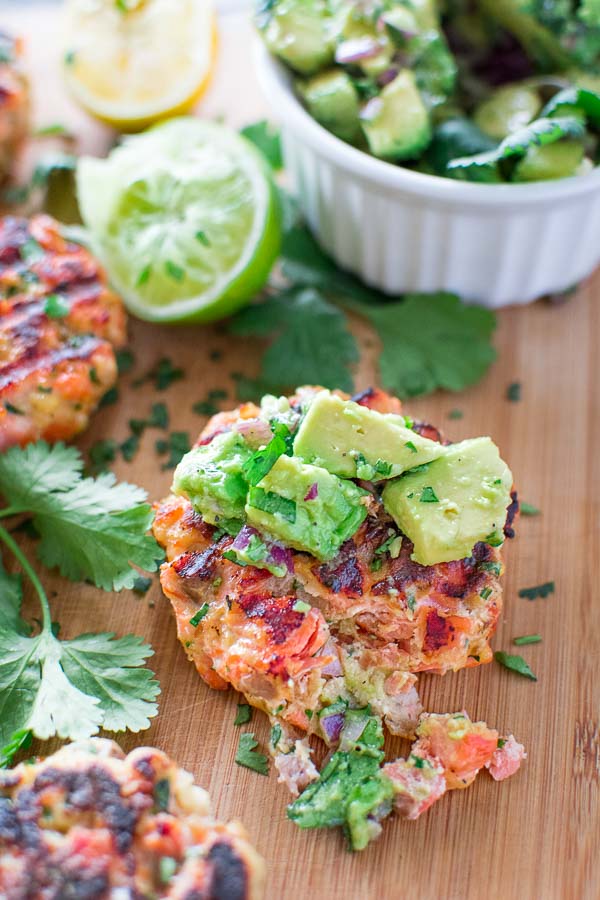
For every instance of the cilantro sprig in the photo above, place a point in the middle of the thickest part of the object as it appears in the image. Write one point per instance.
(90, 529)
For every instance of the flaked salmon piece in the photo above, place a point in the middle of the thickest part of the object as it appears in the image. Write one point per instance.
(14, 102)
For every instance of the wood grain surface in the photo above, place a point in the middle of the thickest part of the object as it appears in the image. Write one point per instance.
(535, 837)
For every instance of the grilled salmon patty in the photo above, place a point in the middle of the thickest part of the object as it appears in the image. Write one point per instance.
(59, 324)
(90, 822)
(360, 627)
(14, 103)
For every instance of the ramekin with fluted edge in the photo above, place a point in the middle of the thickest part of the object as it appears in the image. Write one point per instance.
(400, 230)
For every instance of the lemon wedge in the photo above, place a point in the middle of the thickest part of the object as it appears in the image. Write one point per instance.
(133, 62)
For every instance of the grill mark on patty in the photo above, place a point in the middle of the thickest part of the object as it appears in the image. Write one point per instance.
(198, 563)
(276, 612)
(228, 877)
(343, 574)
(19, 370)
(95, 790)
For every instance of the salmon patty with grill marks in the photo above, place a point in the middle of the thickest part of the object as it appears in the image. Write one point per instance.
(59, 325)
(359, 626)
(90, 822)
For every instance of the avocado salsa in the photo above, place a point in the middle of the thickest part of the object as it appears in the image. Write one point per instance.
(309, 487)
(489, 91)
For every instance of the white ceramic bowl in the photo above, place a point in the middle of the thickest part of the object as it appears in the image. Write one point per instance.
(403, 231)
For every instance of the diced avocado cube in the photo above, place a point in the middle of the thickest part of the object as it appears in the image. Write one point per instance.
(299, 32)
(211, 478)
(332, 100)
(558, 160)
(356, 442)
(509, 108)
(396, 123)
(425, 13)
(306, 507)
(454, 502)
(357, 29)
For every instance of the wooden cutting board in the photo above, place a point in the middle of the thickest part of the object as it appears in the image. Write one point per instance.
(534, 837)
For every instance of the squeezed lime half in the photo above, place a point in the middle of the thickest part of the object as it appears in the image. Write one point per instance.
(185, 218)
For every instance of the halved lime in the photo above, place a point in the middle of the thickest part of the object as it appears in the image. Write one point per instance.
(185, 218)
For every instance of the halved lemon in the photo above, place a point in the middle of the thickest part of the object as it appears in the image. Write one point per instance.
(133, 62)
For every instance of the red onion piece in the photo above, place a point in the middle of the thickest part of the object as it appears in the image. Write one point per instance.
(387, 76)
(282, 556)
(334, 668)
(371, 109)
(243, 537)
(255, 431)
(356, 49)
(332, 727)
(313, 492)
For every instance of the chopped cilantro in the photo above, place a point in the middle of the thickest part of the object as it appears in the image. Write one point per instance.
(494, 539)
(142, 584)
(272, 503)
(308, 713)
(428, 495)
(513, 392)
(198, 616)
(125, 360)
(455, 414)
(202, 238)
(159, 416)
(494, 567)
(275, 735)
(11, 408)
(301, 607)
(177, 445)
(514, 663)
(144, 275)
(527, 639)
(266, 138)
(376, 564)
(411, 447)
(485, 593)
(247, 755)
(262, 461)
(109, 398)
(56, 307)
(538, 590)
(130, 447)
(162, 795)
(164, 373)
(174, 271)
(243, 715)
(94, 376)
(101, 454)
(527, 509)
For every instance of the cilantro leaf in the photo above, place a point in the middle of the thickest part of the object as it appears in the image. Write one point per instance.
(262, 461)
(10, 602)
(311, 343)
(89, 528)
(72, 688)
(20, 740)
(247, 756)
(243, 714)
(528, 509)
(432, 341)
(538, 590)
(514, 663)
(266, 139)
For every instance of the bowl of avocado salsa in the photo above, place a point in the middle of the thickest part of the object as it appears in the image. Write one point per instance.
(456, 151)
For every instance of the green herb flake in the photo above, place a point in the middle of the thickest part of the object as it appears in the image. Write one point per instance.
(174, 271)
(142, 584)
(275, 735)
(301, 607)
(109, 398)
(513, 392)
(167, 866)
(11, 408)
(428, 495)
(56, 307)
(248, 757)
(514, 663)
(198, 616)
(94, 376)
(527, 509)
(125, 360)
(308, 713)
(485, 593)
(243, 714)
(538, 590)
(527, 639)
(162, 795)
(455, 414)
(159, 416)
(178, 445)
(144, 276)
(411, 447)
(202, 238)
(130, 447)
(494, 539)
(272, 503)
(101, 454)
